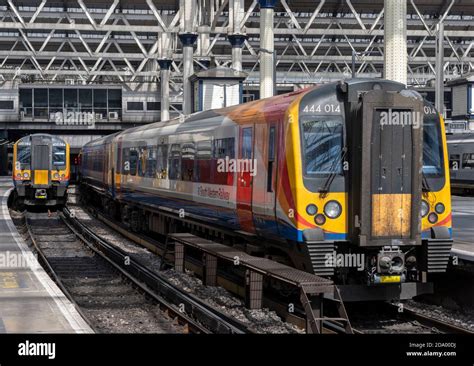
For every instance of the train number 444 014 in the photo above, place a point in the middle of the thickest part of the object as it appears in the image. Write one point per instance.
(327, 108)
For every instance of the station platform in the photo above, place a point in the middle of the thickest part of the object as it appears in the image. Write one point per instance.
(463, 227)
(30, 302)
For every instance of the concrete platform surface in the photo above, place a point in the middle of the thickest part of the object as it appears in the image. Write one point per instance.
(30, 302)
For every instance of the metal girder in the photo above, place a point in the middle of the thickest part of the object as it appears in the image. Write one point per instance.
(220, 29)
(109, 41)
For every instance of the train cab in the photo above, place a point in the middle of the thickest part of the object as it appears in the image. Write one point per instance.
(41, 170)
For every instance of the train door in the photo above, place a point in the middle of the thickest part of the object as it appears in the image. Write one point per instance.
(112, 169)
(264, 188)
(391, 178)
(390, 165)
(118, 167)
(105, 164)
(245, 178)
(41, 159)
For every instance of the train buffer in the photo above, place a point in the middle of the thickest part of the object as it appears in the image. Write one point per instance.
(314, 290)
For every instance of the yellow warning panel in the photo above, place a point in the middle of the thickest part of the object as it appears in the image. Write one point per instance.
(41, 177)
(8, 280)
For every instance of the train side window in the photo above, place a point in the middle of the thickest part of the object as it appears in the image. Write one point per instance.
(271, 158)
(188, 152)
(468, 161)
(162, 161)
(141, 162)
(133, 161)
(455, 161)
(223, 149)
(202, 172)
(175, 162)
(150, 165)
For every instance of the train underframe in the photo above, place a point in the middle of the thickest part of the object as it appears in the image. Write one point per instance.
(358, 282)
(27, 194)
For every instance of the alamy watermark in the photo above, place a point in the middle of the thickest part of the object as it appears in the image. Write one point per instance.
(230, 165)
(73, 118)
(392, 117)
(13, 260)
(346, 260)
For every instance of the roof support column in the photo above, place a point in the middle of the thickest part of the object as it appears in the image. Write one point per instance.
(439, 88)
(187, 37)
(267, 49)
(166, 47)
(395, 37)
(237, 42)
(203, 43)
(165, 89)
(236, 36)
(188, 40)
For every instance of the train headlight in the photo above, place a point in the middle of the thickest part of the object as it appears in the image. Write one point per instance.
(56, 175)
(332, 209)
(18, 175)
(439, 208)
(319, 219)
(311, 209)
(26, 175)
(432, 217)
(425, 208)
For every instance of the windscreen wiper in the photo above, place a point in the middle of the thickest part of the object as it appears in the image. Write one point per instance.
(327, 184)
(424, 183)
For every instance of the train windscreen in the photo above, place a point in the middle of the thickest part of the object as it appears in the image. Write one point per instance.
(23, 156)
(59, 155)
(322, 145)
(432, 148)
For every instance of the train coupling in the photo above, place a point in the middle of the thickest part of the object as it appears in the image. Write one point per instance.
(40, 194)
(389, 266)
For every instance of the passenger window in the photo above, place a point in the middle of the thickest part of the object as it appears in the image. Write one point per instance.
(468, 161)
(162, 161)
(175, 161)
(223, 149)
(187, 161)
(142, 157)
(150, 163)
(133, 161)
(271, 158)
(202, 172)
(247, 143)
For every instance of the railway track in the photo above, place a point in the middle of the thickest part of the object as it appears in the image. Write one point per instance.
(383, 318)
(109, 288)
(436, 325)
(390, 320)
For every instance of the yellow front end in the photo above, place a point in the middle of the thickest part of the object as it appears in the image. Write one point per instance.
(19, 174)
(436, 215)
(314, 216)
(62, 175)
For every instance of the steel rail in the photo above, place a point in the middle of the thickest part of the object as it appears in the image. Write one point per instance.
(210, 318)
